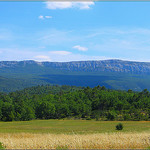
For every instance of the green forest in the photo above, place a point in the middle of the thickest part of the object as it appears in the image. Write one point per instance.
(71, 102)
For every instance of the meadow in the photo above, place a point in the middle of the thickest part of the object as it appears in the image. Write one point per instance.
(74, 134)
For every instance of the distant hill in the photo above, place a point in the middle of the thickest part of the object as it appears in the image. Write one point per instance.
(114, 74)
(79, 66)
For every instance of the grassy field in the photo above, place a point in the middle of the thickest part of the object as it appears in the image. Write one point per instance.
(72, 126)
(73, 134)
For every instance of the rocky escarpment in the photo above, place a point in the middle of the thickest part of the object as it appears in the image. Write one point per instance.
(103, 65)
(85, 66)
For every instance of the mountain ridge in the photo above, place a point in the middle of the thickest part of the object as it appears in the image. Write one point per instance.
(113, 73)
(112, 65)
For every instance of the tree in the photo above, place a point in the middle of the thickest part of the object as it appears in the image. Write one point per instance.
(27, 113)
(111, 115)
(45, 110)
(1, 104)
(62, 110)
(7, 112)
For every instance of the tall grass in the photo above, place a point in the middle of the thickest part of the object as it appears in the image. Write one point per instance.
(118, 140)
(74, 134)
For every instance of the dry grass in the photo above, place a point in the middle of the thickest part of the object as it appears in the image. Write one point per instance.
(75, 141)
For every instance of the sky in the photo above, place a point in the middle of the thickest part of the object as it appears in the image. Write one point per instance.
(74, 31)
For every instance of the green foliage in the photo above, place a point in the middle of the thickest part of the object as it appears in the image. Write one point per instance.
(88, 118)
(62, 148)
(2, 147)
(111, 115)
(27, 113)
(127, 117)
(97, 117)
(56, 102)
(119, 126)
(45, 110)
(7, 112)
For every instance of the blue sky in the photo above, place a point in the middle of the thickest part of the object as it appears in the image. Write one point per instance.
(73, 31)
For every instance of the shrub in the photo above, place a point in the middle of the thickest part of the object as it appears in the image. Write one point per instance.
(111, 115)
(119, 126)
(61, 148)
(2, 146)
(97, 118)
(88, 118)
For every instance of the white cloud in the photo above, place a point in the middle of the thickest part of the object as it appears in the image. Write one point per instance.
(58, 5)
(48, 17)
(64, 5)
(42, 58)
(60, 52)
(83, 5)
(80, 48)
(30, 54)
(41, 17)
(44, 17)
(131, 44)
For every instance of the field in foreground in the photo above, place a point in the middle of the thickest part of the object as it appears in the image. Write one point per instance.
(76, 141)
(74, 134)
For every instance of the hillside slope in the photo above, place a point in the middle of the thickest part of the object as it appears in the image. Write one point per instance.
(114, 74)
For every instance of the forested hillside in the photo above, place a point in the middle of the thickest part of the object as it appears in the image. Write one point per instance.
(113, 74)
(47, 102)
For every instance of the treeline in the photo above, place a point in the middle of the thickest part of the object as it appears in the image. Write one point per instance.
(56, 102)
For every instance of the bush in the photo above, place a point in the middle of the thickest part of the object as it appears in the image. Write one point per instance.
(61, 148)
(88, 118)
(97, 118)
(2, 146)
(119, 126)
